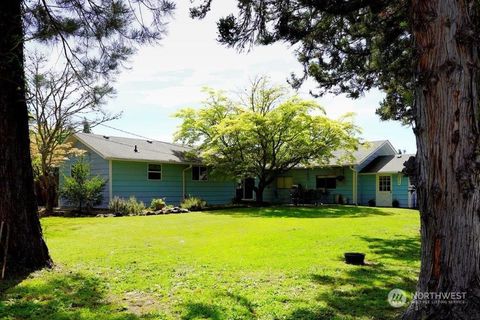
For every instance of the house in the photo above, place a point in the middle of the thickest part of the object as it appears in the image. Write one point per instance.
(150, 169)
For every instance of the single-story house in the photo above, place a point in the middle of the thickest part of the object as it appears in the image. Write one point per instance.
(150, 169)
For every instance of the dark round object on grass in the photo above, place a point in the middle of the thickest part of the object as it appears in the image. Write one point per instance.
(354, 258)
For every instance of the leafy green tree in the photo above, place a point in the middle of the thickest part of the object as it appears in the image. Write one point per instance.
(96, 37)
(81, 189)
(425, 56)
(264, 134)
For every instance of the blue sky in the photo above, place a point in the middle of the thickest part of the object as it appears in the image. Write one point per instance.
(164, 78)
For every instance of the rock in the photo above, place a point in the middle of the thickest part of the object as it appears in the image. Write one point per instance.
(100, 215)
(158, 211)
(109, 215)
(182, 210)
(149, 213)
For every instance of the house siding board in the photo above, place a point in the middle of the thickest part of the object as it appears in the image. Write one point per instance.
(307, 178)
(215, 190)
(98, 167)
(400, 191)
(130, 179)
(367, 187)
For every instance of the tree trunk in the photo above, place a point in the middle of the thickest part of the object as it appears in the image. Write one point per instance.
(49, 189)
(448, 158)
(259, 192)
(21, 236)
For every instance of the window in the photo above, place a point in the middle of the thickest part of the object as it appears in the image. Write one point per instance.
(284, 182)
(384, 183)
(154, 172)
(326, 183)
(199, 173)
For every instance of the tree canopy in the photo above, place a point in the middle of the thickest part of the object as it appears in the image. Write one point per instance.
(345, 46)
(264, 133)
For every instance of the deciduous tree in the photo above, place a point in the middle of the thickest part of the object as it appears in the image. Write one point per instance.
(264, 134)
(425, 56)
(97, 37)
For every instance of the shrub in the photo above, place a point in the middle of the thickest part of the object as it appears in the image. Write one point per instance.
(157, 204)
(81, 190)
(134, 207)
(372, 203)
(118, 206)
(193, 204)
(395, 203)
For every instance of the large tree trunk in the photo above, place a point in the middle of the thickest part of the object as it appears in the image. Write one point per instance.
(448, 158)
(21, 236)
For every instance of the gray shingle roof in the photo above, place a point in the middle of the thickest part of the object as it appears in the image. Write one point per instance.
(364, 150)
(387, 164)
(123, 148)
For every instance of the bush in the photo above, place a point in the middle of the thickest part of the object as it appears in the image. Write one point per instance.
(81, 191)
(157, 204)
(372, 203)
(122, 206)
(118, 205)
(395, 203)
(134, 207)
(193, 204)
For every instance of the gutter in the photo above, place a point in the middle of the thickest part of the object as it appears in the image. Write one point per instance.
(183, 181)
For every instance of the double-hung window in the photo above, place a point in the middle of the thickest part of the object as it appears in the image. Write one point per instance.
(154, 172)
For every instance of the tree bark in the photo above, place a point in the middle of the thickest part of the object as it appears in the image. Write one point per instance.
(259, 192)
(448, 157)
(21, 237)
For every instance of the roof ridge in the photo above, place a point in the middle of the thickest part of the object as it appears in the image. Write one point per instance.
(110, 136)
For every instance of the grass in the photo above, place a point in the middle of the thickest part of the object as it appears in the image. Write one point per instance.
(270, 263)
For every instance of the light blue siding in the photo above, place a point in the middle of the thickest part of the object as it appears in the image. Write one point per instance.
(367, 186)
(307, 178)
(216, 190)
(130, 179)
(400, 184)
(98, 167)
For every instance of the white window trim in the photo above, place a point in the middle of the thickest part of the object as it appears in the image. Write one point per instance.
(161, 171)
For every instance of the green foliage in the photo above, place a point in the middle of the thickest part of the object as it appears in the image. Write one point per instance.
(158, 204)
(345, 46)
(265, 134)
(251, 263)
(81, 190)
(193, 204)
(122, 206)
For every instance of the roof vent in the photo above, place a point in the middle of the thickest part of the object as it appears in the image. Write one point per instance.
(150, 141)
(106, 137)
(399, 155)
(135, 149)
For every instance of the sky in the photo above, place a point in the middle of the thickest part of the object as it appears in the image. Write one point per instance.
(164, 78)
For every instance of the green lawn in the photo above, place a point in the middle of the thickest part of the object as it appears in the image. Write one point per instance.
(271, 263)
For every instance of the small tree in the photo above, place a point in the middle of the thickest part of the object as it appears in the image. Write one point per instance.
(82, 190)
(264, 134)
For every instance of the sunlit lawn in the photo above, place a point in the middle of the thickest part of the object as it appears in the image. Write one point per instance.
(271, 263)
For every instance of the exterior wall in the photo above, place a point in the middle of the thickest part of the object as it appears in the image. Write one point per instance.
(216, 190)
(130, 179)
(98, 167)
(367, 188)
(307, 178)
(400, 184)
(367, 185)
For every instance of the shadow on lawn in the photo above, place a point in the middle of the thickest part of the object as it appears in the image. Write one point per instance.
(326, 211)
(362, 290)
(72, 296)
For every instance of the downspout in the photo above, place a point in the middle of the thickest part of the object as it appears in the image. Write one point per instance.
(183, 179)
(354, 185)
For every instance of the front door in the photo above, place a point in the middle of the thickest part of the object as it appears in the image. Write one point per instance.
(384, 191)
(248, 188)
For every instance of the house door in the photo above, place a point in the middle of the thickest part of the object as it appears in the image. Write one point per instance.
(248, 188)
(384, 191)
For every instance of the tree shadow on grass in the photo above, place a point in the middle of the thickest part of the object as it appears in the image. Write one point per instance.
(198, 310)
(326, 211)
(362, 291)
(61, 296)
